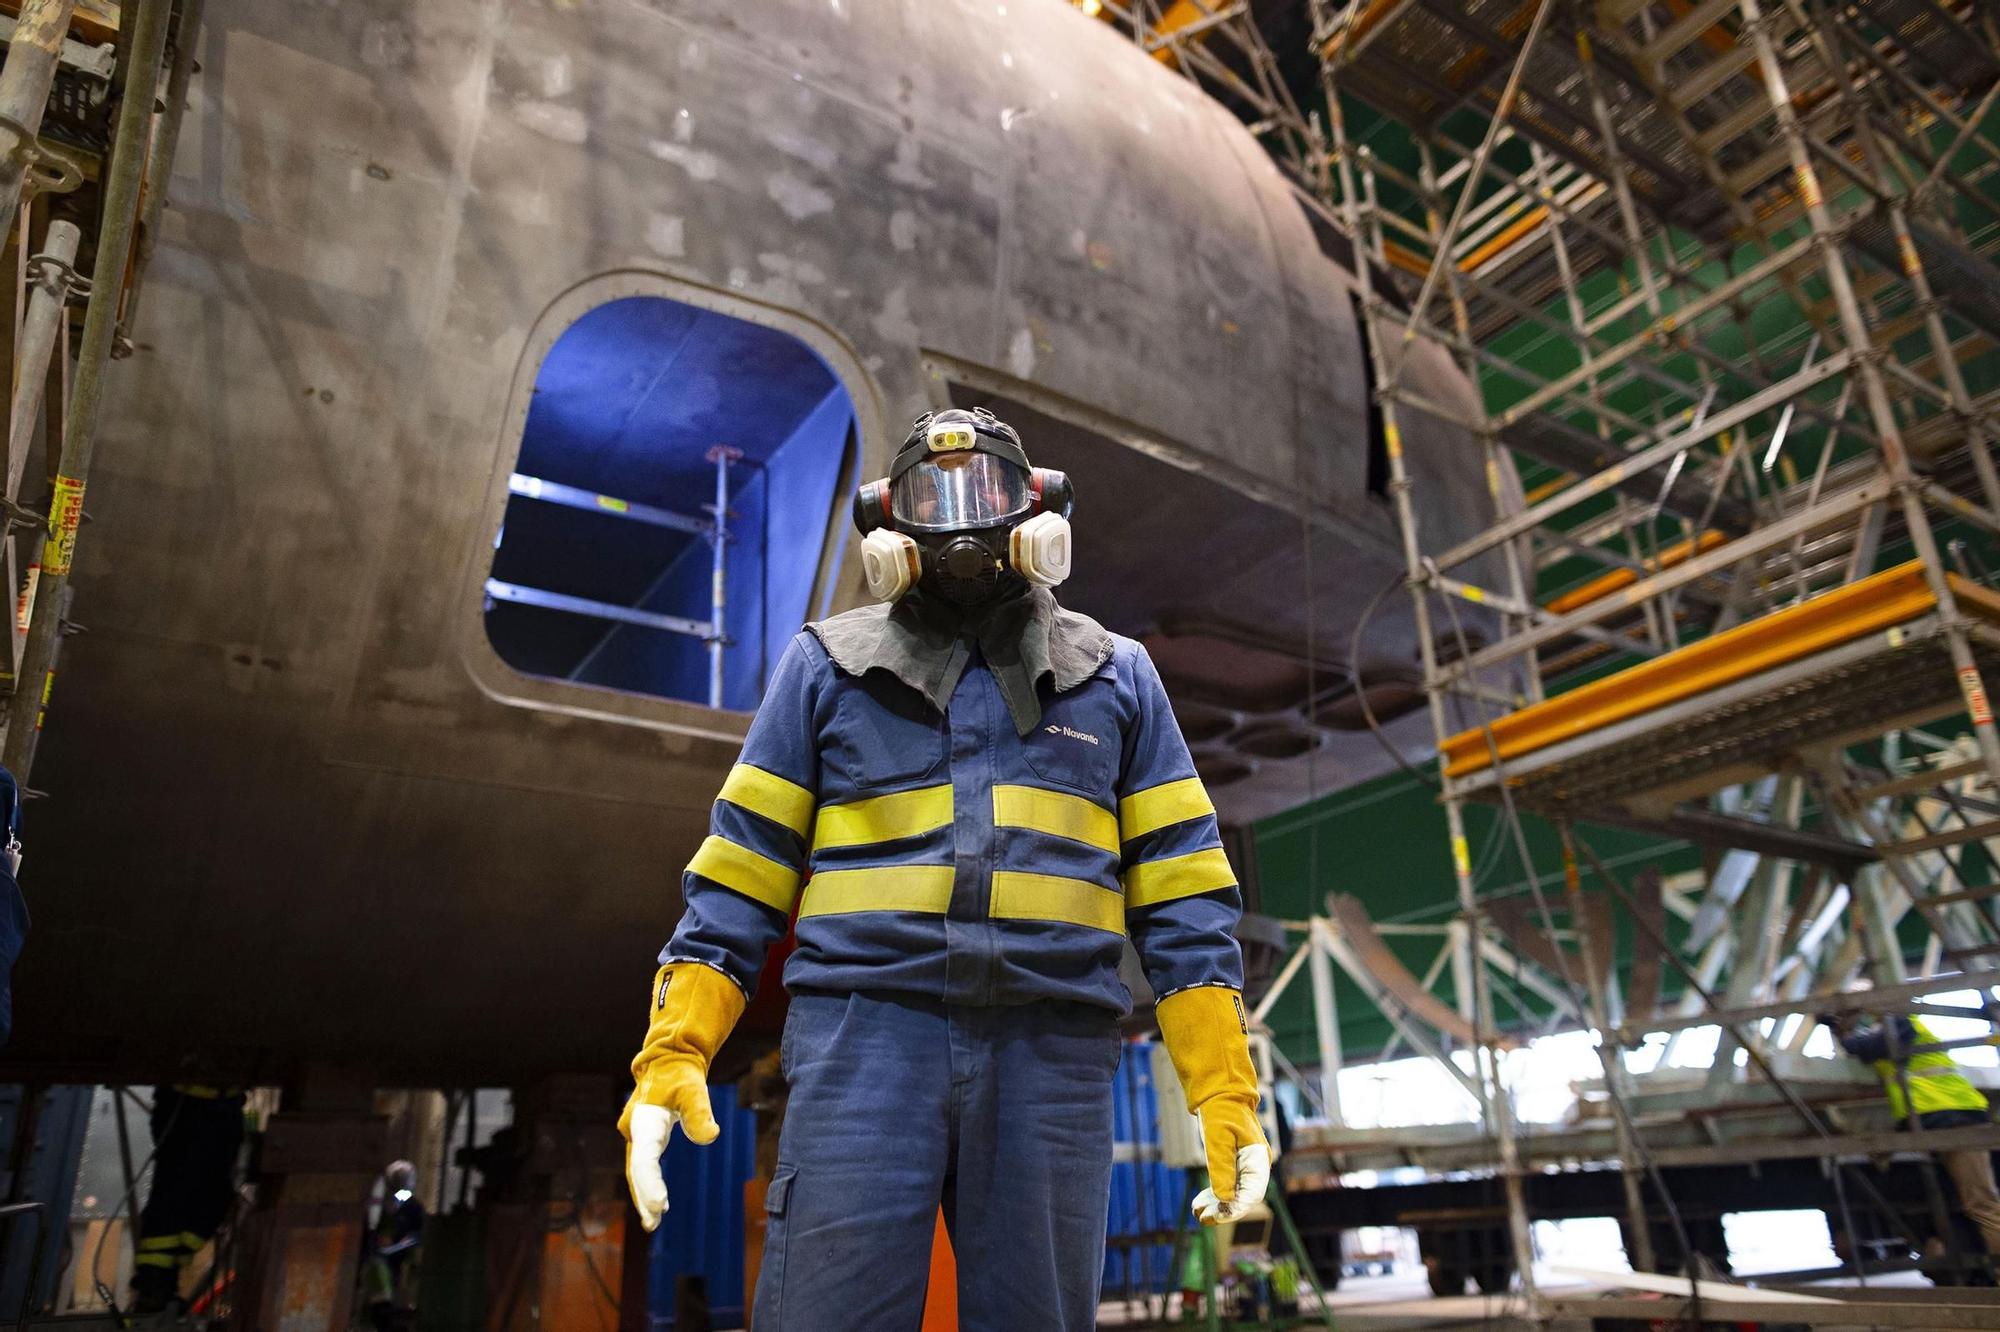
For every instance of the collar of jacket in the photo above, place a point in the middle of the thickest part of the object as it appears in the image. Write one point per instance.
(1023, 640)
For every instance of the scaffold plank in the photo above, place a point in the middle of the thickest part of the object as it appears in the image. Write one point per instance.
(1873, 605)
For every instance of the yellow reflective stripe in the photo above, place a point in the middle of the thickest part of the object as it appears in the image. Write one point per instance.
(784, 803)
(191, 1241)
(883, 818)
(1051, 897)
(159, 1242)
(1159, 806)
(925, 888)
(1153, 881)
(742, 870)
(157, 1260)
(1055, 813)
(1942, 1085)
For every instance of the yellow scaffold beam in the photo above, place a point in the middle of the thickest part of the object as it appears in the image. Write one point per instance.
(1605, 584)
(1876, 604)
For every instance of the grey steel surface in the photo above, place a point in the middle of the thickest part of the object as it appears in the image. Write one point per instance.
(297, 807)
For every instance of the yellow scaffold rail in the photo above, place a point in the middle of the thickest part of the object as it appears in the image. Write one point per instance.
(1876, 604)
(1604, 585)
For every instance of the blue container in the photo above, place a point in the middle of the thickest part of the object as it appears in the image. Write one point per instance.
(1146, 1197)
(702, 1232)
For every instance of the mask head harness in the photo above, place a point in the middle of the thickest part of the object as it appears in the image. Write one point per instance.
(962, 514)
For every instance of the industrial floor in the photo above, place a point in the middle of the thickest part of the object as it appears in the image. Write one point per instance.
(1402, 1302)
(1399, 1301)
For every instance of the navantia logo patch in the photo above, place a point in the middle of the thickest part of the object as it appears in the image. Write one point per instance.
(1067, 734)
(1241, 1020)
(660, 999)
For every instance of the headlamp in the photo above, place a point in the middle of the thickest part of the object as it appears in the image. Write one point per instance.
(947, 436)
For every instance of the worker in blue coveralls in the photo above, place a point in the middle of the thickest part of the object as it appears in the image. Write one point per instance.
(984, 796)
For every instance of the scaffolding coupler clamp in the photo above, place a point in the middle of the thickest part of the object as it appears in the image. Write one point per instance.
(59, 279)
(1904, 487)
(47, 169)
(19, 517)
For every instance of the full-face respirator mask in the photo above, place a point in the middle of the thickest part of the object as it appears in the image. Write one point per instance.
(962, 515)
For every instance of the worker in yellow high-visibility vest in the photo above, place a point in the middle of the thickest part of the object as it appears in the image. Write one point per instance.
(1938, 1097)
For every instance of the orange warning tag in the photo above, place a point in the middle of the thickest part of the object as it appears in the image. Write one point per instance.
(1975, 695)
(1808, 186)
(24, 604)
(65, 516)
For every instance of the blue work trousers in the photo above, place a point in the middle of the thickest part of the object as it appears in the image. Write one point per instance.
(901, 1105)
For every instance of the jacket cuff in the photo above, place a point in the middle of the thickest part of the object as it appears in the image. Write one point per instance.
(677, 960)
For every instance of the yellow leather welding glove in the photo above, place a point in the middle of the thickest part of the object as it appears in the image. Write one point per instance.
(693, 1010)
(1208, 1038)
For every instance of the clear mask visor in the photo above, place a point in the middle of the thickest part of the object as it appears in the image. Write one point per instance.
(958, 492)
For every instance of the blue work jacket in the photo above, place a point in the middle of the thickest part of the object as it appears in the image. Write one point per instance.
(941, 853)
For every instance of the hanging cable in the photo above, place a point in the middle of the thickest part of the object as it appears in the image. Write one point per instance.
(1361, 694)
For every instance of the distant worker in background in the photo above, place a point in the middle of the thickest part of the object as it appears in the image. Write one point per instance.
(990, 794)
(1939, 1097)
(388, 1262)
(197, 1132)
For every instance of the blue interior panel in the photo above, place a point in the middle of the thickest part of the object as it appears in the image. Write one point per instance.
(628, 404)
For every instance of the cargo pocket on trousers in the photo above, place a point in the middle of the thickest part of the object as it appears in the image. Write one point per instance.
(768, 1309)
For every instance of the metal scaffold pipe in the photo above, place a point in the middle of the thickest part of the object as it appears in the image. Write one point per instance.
(160, 164)
(32, 57)
(51, 274)
(718, 575)
(126, 169)
(1326, 1019)
(54, 278)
